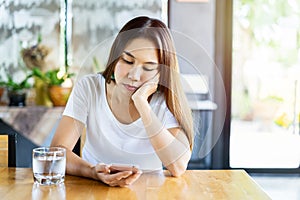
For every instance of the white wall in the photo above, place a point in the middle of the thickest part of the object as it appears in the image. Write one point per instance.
(193, 30)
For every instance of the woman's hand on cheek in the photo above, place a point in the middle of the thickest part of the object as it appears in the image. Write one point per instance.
(148, 88)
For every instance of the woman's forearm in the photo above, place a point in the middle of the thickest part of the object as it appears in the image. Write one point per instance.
(172, 148)
(66, 136)
(77, 166)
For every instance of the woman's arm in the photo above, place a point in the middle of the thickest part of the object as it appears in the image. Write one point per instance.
(172, 145)
(67, 134)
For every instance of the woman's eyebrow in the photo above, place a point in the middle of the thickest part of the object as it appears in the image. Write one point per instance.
(129, 54)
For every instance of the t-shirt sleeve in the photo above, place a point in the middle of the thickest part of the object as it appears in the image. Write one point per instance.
(77, 106)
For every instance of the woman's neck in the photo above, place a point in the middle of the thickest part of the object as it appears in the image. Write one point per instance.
(121, 105)
(115, 95)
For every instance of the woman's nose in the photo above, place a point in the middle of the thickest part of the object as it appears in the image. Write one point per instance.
(135, 73)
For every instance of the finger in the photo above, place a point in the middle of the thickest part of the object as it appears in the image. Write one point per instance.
(117, 179)
(122, 175)
(117, 176)
(135, 169)
(120, 183)
(131, 179)
(101, 167)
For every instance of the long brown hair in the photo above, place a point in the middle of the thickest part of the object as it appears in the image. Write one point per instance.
(169, 83)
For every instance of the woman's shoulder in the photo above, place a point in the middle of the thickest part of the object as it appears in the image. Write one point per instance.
(91, 79)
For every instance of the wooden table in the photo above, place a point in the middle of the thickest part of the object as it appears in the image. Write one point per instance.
(17, 183)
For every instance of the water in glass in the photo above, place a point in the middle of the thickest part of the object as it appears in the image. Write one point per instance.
(49, 165)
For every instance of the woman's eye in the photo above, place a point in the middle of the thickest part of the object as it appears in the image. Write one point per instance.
(127, 61)
(149, 69)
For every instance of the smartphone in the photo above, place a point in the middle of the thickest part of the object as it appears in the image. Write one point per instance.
(115, 168)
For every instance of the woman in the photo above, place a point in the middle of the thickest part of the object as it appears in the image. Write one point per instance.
(135, 112)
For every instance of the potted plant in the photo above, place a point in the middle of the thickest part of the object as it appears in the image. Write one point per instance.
(16, 89)
(59, 84)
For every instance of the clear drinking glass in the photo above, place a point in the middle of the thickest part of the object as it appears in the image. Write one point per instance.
(49, 165)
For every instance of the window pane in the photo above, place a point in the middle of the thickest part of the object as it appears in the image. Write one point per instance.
(265, 84)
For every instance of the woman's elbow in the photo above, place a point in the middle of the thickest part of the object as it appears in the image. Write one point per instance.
(178, 172)
(179, 167)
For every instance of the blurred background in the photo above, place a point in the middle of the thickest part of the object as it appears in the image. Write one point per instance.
(239, 63)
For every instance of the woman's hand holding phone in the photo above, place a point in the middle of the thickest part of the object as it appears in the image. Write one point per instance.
(119, 175)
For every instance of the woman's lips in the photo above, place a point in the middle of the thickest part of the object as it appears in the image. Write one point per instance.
(130, 88)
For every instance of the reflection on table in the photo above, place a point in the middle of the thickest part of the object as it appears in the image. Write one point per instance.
(194, 184)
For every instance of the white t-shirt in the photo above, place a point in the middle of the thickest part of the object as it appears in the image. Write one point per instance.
(107, 140)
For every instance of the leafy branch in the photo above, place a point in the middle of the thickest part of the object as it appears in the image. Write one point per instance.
(51, 77)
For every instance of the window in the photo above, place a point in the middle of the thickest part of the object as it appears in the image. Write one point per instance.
(265, 84)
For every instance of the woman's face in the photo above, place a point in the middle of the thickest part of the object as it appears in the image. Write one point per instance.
(137, 64)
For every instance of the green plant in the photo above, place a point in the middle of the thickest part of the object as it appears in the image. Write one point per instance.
(13, 85)
(51, 77)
